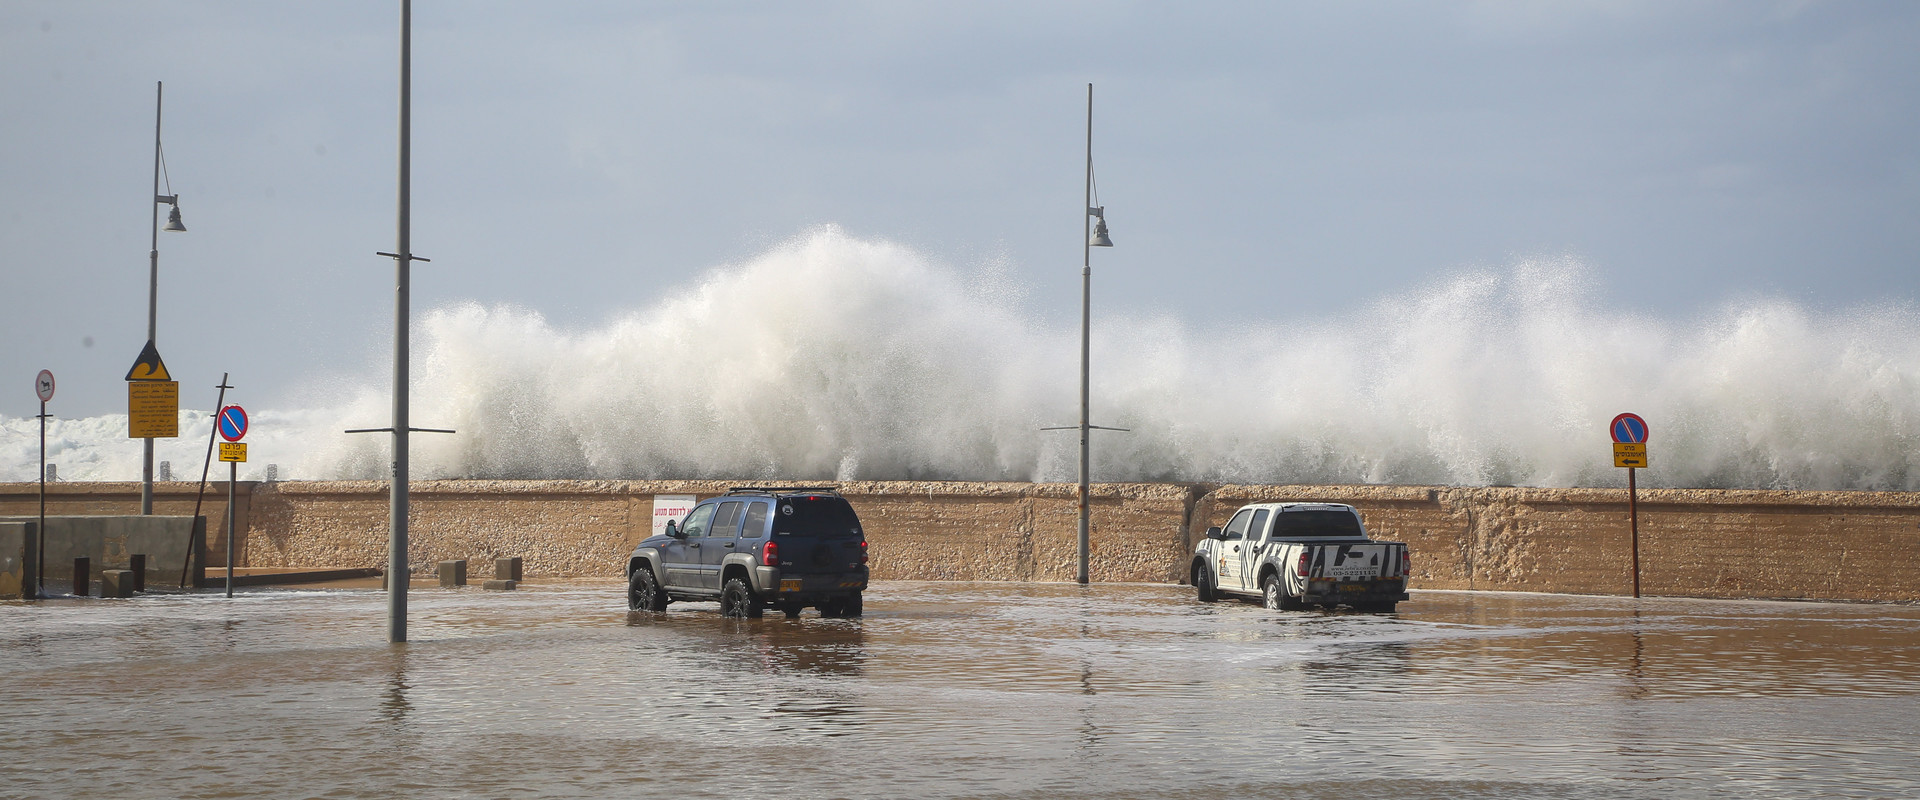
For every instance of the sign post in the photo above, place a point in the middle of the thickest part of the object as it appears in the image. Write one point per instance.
(1630, 451)
(153, 411)
(218, 403)
(43, 388)
(232, 424)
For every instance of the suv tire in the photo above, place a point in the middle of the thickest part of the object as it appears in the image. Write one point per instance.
(643, 591)
(737, 600)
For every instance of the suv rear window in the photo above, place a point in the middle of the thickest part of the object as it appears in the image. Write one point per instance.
(1317, 525)
(815, 516)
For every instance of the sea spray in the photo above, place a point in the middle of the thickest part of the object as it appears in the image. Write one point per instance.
(834, 357)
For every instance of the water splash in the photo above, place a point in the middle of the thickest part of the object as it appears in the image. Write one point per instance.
(833, 357)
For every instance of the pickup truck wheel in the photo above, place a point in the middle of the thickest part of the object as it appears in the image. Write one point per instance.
(1273, 594)
(1203, 584)
(737, 600)
(643, 591)
(851, 607)
(792, 611)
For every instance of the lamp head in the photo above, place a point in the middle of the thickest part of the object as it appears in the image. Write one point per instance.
(1100, 237)
(173, 219)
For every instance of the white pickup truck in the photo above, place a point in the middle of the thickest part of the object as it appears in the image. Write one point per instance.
(1295, 555)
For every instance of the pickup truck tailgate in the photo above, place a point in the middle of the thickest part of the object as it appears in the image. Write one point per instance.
(1357, 561)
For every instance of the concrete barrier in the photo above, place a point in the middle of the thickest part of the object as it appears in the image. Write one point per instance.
(111, 542)
(116, 583)
(453, 573)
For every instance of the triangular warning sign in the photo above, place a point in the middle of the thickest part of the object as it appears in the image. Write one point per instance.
(149, 367)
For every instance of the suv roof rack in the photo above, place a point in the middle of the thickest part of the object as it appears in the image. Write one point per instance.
(778, 490)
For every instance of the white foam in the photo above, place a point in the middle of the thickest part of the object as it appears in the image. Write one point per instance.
(832, 357)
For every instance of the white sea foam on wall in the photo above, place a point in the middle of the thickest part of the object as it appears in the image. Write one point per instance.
(833, 357)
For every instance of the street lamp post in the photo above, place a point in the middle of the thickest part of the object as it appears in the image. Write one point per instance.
(398, 571)
(1093, 234)
(153, 282)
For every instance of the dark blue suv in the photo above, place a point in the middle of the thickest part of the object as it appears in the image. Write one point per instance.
(756, 548)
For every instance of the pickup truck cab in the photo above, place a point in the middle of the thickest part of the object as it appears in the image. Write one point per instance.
(756, 548)
(1295, 555)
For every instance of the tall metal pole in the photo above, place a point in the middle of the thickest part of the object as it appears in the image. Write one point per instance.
(1086, 302)
(153, 297)
(40, 548)
(397, 571)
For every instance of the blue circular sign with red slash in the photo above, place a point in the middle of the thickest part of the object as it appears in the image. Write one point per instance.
(1628, 428)
(233, 423)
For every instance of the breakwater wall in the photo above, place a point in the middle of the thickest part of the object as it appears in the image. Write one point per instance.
(1861, 546)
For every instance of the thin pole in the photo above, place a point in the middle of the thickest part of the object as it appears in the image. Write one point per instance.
(233, 476)
(1633, 522)
(40, 570)
(1086, 303)
(397, 571)
(205, 464)
(153, 296)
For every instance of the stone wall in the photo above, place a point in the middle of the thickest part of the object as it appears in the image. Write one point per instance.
(919, 531)
(1697, 543)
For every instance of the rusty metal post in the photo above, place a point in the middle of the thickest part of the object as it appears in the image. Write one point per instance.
(1633, 522)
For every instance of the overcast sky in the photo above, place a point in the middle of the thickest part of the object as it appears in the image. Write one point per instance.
(1258, 160)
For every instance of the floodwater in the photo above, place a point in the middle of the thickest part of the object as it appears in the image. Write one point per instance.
(957, 690)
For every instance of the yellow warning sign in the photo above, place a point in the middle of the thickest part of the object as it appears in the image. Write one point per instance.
(1630, 454)
(233, 451)
(153, 409)
(149, 367)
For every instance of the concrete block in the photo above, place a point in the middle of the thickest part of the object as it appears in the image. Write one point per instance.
(138, 564)
(500, 585)
(507, 569)
(453, 573)
(116, 583)
(82, 577)
(19, 560)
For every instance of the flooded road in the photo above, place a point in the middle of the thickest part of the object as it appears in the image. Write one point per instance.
(957, 690)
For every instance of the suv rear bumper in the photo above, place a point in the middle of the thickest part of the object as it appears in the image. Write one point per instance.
(772, 586)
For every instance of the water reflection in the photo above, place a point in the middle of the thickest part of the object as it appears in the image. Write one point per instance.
(394, 705)
(963, 690)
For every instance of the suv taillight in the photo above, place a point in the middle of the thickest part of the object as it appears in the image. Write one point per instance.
(770, 555)
(863, 551)
(1300, 568)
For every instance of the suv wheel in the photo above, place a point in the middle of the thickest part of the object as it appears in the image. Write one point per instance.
(643, 591)
(737, 600)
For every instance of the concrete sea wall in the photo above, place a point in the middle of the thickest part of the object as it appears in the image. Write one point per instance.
(1862, 546)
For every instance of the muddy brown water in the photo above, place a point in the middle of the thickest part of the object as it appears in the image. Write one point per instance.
(957, 690)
